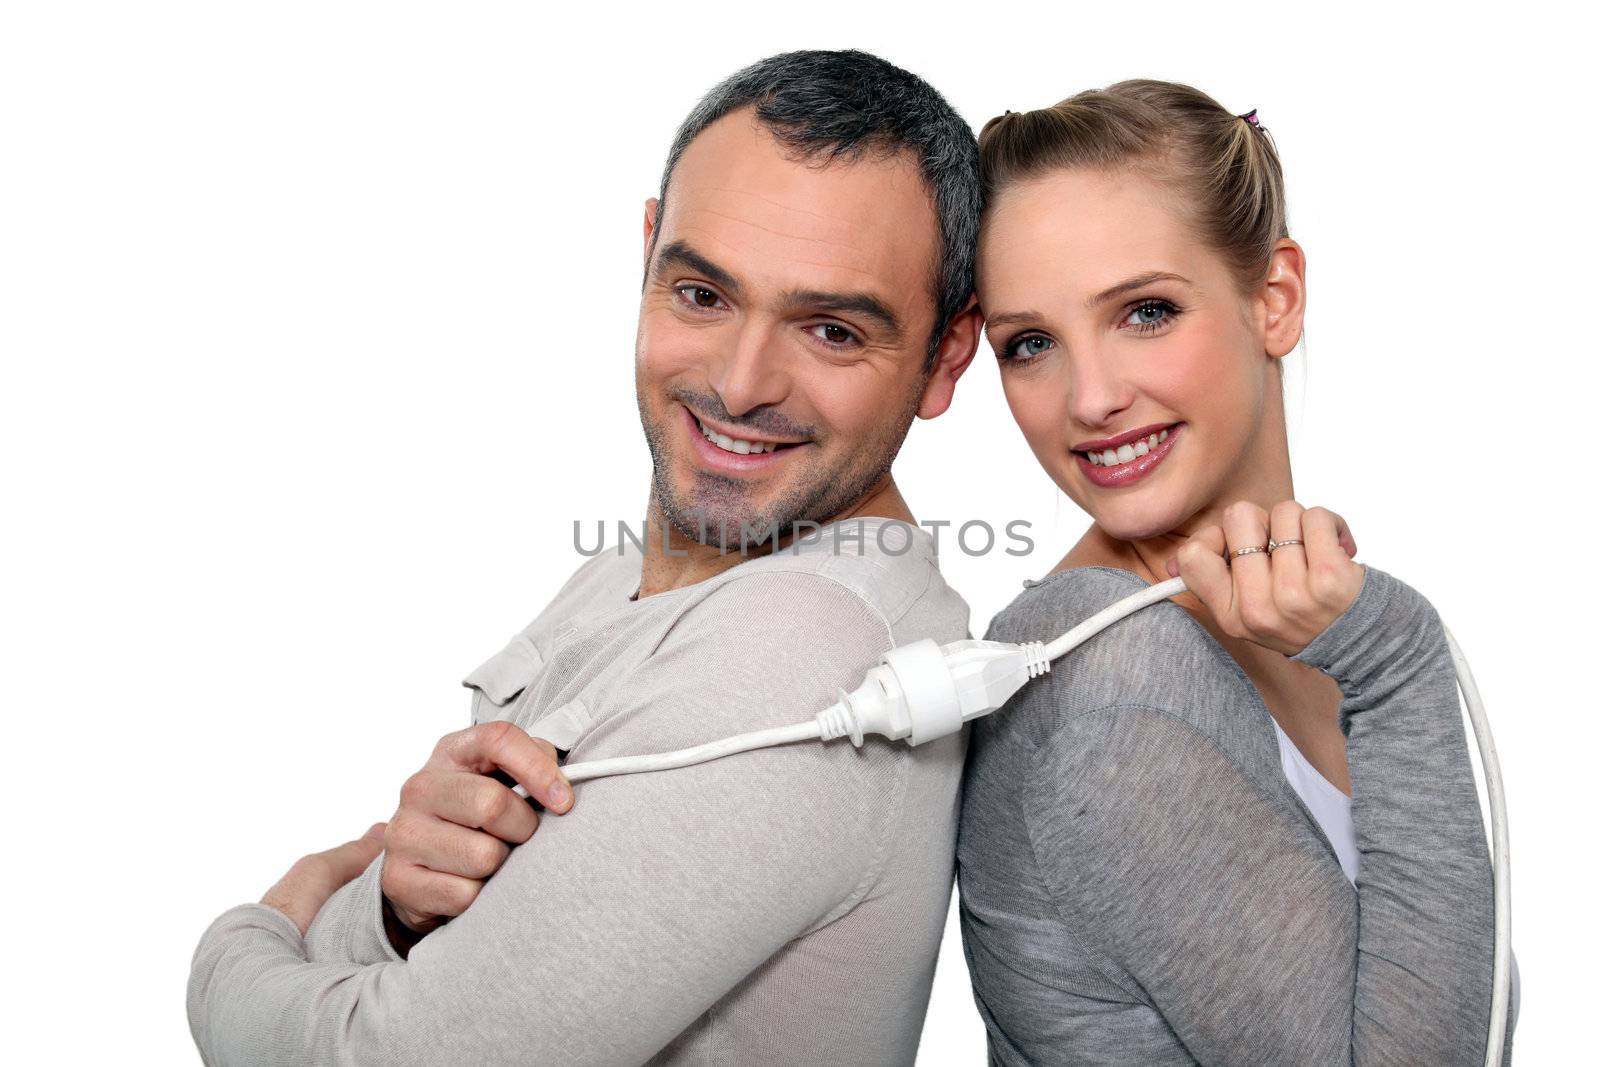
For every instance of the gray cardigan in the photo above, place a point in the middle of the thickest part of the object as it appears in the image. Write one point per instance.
(1140, 884)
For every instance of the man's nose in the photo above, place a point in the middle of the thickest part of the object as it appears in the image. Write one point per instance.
(754, 372)
(1097, 390)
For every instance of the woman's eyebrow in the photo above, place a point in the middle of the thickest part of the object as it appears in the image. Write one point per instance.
(1007, 318)
(1136, 282)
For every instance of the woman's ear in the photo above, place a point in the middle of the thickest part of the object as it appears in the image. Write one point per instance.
(1284, 297)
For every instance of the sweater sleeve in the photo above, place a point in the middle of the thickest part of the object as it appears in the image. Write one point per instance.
(621, 922)
(1191, 885)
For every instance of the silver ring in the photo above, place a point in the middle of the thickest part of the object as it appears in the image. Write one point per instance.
(1273, 546)
(1245, 551)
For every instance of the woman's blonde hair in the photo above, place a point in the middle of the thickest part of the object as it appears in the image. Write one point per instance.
(1223, 166)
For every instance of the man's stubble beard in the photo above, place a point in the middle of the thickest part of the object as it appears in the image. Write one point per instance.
(816, 496)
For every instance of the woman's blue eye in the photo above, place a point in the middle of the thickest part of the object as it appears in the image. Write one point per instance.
(1027, 347)
(1150, 313)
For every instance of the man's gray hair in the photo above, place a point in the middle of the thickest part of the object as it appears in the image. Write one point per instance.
(833, 104)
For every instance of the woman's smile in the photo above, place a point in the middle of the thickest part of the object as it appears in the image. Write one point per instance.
(1117, 461)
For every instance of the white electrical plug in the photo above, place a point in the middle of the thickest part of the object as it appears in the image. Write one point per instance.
(924, 691)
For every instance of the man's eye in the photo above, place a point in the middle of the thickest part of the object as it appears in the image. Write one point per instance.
(832, 333)
(699, 296)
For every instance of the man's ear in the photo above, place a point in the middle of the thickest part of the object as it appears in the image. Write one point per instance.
(650, 207)
(1283, 297)
(956, 349)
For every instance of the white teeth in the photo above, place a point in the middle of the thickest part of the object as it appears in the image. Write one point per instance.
(1126, 453)
(736, 445)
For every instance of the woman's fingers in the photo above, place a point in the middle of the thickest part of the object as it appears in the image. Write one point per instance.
(1280, 599)
(1245, 525)
(1288, 560)
(1333, 579)
(1204, 569)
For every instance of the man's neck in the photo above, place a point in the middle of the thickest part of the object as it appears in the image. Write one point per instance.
(673, 560)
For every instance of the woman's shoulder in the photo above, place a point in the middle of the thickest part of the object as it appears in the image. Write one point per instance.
(1160, 658)
(1048, 608)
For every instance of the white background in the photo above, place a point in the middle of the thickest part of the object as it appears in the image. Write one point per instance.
(317, 326)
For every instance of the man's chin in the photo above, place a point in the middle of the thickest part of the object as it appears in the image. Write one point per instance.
(724, 530)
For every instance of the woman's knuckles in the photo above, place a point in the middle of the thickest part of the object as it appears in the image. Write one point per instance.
(1242, 512)
(1259, 616)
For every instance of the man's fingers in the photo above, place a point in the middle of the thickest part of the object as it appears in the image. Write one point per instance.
(419, 895)
(445, 847)
(506, 746)
(344, 862)
(475, 800)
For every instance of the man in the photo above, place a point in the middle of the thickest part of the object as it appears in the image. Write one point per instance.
(807, 293)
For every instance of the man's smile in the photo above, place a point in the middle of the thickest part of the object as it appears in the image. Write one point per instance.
(728, 454)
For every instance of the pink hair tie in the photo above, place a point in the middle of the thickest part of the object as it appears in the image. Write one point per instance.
(1250, 117)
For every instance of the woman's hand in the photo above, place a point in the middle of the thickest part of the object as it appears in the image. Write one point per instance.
(1280, 599)
(301, 893)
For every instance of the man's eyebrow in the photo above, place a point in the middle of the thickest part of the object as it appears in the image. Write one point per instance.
(845, 303)
(1136, 282)
(679, 254)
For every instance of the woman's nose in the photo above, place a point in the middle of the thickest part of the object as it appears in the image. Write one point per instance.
(1097, 392)
(753, 373)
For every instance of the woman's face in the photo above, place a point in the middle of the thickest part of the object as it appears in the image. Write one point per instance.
(1137, 371)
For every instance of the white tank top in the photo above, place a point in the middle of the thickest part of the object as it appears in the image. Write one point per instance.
(1328, 805)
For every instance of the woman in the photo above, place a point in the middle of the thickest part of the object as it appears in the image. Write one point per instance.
(1160, 861)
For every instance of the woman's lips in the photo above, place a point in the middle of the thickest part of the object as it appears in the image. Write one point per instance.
(1121, 474)
(722, 461)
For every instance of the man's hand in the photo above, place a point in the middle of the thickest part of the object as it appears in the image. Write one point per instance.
(458, 819)
(301, 893)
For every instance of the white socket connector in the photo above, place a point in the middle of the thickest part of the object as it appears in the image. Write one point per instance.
(924, 691)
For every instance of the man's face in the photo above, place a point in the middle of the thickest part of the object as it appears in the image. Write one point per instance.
(788, 305)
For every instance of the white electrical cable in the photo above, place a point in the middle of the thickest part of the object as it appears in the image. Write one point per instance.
(923, 691)
(1500, 857)
(779, 735)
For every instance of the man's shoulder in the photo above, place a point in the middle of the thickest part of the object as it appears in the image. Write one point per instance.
(888, 564)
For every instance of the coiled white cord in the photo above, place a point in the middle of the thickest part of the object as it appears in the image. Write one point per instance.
(923, 691)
